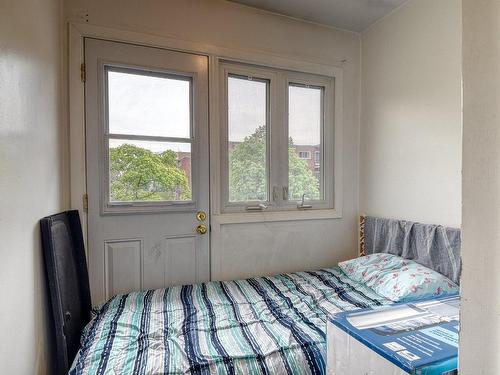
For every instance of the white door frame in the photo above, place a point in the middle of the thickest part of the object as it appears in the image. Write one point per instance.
(78, 183)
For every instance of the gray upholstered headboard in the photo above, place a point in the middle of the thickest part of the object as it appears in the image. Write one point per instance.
(434, 246)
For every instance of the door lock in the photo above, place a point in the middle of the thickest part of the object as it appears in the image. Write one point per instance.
(201, 215)
(201, 229)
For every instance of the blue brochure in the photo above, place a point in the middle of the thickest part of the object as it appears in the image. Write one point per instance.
(419, 337)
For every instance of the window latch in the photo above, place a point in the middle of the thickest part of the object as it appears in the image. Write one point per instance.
(257, 207)
(285, 193)
(276, 193)
(302, 205)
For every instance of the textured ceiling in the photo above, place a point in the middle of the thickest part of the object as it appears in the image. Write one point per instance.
(354, 15)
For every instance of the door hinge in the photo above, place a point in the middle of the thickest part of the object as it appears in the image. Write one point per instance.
(83, 72)
(85, 201)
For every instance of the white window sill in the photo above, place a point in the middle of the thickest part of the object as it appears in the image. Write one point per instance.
(270, 216)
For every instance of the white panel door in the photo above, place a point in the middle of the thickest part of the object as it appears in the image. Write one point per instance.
(147, 167)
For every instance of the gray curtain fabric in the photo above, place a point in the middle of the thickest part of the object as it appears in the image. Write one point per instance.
(434, 246)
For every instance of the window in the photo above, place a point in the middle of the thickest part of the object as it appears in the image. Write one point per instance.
(305, 123)
(303, 154)
(247, 138)
(317, 158)
(263, 110)
(148, 137)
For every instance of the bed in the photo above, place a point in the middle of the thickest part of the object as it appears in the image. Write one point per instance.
(265, 325)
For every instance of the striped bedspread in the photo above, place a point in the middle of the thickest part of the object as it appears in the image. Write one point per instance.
(267, 325)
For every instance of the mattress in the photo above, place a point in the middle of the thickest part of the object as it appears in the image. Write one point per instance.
(266, 325)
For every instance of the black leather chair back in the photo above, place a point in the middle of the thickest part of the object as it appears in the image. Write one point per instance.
(68, 283)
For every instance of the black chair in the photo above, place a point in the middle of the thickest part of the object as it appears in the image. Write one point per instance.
(68, 283)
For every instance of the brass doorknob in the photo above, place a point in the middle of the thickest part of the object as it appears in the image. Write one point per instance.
(201, 215)
(201, 229)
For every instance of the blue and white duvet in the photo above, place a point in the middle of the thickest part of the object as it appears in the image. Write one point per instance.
(267, 325)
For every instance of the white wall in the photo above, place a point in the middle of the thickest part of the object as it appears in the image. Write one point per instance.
(480, 285)
(410, 151)
(258, 248)
(30, 173)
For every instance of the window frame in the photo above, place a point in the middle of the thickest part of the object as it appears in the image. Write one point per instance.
(240, 70)
(109, 207)
(277, 133)
(327, 137)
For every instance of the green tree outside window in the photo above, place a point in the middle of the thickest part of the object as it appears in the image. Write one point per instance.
(247, 171)
(138, 174)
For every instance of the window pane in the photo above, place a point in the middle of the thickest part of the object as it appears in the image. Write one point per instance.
(305, 117)
(141, 104)
(247, 139)
(149, 171)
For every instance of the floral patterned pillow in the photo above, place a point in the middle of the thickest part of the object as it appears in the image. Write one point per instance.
(398, 279)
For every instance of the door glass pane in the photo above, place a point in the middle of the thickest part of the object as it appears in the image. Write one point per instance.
(152, 105)
(247, 139)
(149, 171)
(305, 118)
